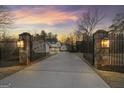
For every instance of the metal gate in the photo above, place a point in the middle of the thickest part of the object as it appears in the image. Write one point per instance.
(111, 57)
(116, 52)
(105, 51)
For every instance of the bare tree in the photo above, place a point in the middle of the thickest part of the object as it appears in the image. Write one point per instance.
(89, 20)
(6, 20)
(78, 35)
(118, 23)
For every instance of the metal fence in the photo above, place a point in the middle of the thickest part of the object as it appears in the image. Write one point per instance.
(8, 53)
(116, 52)
(106, 58)
(88, 50)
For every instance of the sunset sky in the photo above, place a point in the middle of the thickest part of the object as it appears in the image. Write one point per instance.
(59, 19)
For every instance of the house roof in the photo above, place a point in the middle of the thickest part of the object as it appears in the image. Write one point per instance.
(54, 45)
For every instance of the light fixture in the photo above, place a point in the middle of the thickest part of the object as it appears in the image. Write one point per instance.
(20, 44)
(105, 43)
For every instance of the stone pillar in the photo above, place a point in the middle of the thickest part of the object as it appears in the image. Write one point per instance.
(25, 51)
(101, 53)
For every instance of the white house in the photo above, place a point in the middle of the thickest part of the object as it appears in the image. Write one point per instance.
(40, 46)
(54, 47)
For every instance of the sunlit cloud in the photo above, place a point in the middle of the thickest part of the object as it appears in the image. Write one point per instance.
(59, 19)
(43, 16)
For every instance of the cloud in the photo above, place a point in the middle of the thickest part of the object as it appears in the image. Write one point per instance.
(43, 15)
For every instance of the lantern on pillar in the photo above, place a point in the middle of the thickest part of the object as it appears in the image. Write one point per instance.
(20, 44)
(105, 43)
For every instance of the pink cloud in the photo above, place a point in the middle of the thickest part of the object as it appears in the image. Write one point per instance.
(43, 15)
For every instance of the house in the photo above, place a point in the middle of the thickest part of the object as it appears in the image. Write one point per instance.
(39, 46)
(54, 47)
(49, 45)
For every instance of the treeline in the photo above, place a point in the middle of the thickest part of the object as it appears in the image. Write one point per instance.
(46, 36)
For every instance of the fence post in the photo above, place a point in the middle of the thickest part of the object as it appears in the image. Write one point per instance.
(93, 49)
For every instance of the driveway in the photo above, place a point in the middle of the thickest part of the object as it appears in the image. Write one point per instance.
(64, 70)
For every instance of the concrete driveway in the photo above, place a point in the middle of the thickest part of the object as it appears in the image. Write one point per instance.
(64, 70)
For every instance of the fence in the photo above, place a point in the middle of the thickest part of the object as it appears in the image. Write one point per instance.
(106, 58)
(116, 52)
(88, 51)
(8, 53)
